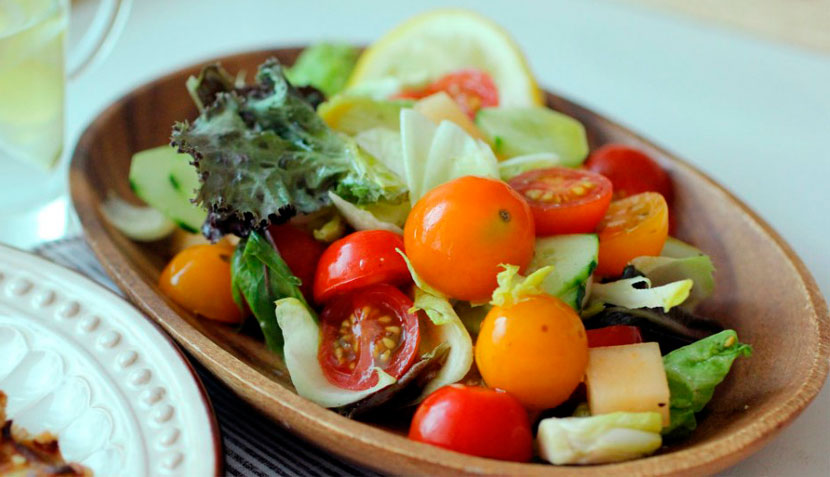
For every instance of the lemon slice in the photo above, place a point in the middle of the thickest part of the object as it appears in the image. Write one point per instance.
(436, 43)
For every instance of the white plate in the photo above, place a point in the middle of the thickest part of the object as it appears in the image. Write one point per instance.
(79, 361)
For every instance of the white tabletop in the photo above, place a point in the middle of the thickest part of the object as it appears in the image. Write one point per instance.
(754, 115)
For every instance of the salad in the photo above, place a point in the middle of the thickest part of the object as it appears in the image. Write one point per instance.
(414, 232)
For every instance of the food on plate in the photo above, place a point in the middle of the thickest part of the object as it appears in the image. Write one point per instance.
(415, 237)
(24, 455)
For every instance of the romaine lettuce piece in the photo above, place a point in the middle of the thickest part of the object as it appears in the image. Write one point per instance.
(676, 248)
(302, 342)
(513, 287)
(326, 66)
(520, 164)
(360, 219)
(599, 439)
(445, 150)
(693, 371)
(665, 270)
(623, 293)
(385, 145)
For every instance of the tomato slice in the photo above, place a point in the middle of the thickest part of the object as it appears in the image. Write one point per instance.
(471, 89)
(631, 171)
(614, 336)
(476, 421)
(357, 260)
(300, 251)
(564, 201)
(632, 227)
(369, 328)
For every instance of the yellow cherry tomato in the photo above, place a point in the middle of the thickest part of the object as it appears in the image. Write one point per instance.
(535, 349)
(199, 280)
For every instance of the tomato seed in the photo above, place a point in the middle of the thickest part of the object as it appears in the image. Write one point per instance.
(351, 366)
(385, 319)
(385, 355)
(390, 343)
(393, 329)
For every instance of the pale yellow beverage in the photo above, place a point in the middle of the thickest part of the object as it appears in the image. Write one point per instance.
(32, 80)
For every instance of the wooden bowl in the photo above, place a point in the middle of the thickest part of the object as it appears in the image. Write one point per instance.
(764, 292)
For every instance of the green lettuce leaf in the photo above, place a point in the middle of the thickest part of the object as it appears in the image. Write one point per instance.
(693, 371)
(326, 66)
(263, 154)
(600, 439)
(624, 293)
(302, 343)
(361, 219)
(259, 274)
(513, 287)
(520, 164)
(665, 270)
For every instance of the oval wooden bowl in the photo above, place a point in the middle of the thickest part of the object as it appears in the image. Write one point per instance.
(764, 291)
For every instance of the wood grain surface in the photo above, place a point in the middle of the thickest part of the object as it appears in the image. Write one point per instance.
(764, 292)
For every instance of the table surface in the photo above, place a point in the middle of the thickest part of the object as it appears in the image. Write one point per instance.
(753, 114)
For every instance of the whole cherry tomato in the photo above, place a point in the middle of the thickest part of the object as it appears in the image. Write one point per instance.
(631, 171)
(563, 200)
(470, 89)
(300, 251)
(199, 279)
(632, 227)
(458, 234)
(534, 349)
(367, 329)
(476, 421)
(615, 335)
(357, 260)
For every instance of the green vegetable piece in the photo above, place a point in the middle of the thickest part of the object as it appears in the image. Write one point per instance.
(665, 270)
(675, 248)
(263, 154)
(599, 439)
(513, 287)
(518, 131)
(623, 293)
(166, 181)
(361, 219)
(574, 258)
(260, 275)
(520, 164)
(332, 230)
(302, 343)
(693, 371)
(352, 114)
(326, 66)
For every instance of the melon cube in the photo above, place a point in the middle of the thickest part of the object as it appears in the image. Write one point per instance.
(627, 378)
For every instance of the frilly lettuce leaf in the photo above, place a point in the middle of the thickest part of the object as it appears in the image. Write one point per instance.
(693, 371)
(624, 293)
(513, 287)
(302, 342)
(599, 439)
(263, 154)
(360, 219)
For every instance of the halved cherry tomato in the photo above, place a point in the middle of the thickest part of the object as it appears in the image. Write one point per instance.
(476, 421)
(459, 233)
(371, 327)
(534, 349)
(614, 336)
(300, 251)
(357, 260)
(471, 89)
(631, 171)
(199, 279)
(632, 227)
(564, 201)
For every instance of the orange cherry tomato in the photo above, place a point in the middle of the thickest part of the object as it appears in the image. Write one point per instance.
(563, 200)
(471, 89)
(535, 349)
(199, 280)
(635, 226)
(459, 233)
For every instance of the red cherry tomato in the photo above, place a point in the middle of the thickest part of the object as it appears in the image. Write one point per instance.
(357, 260)
(471, 89)
(614, 336)
(300, 251)
(371, 327)
(630, 171)
(564, 201)
(476, 421)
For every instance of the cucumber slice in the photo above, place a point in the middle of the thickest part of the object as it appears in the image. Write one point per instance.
(141, 223)
(167, 182)
(574, 258)
(520, 164)
(519, 131)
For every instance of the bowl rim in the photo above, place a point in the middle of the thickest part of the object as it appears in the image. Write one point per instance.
(372, 446)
